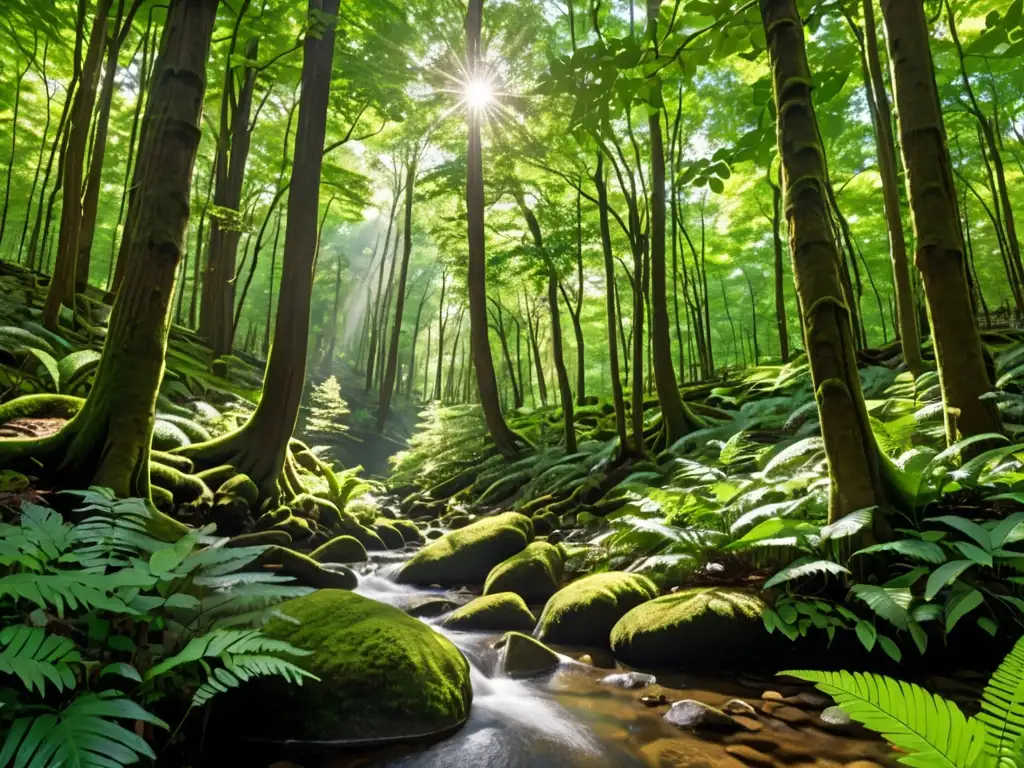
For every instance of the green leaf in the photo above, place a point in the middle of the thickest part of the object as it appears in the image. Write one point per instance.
(932, 731)
(944, 575)
(716, 185)
(848, 525)
(49, 363)
(805, 566)
(867, 634)
(971, 552)
(891, 649)
(889, 603)
(915, 548)
(959, 605)
(969, 527)
(1001, 707)
(75, 367)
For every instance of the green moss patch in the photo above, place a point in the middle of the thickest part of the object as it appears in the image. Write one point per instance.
(534, 574)
(343, 549)
(694, 628)
(466, 556)
(410, 533)
(584, 612)
(502, 611)
(382, 675)
(522, 656)
(390, 535)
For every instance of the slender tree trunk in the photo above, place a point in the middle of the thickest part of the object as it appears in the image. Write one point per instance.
(517, 396)
(197, 265)
(411, 375)
(441, 323)
(476, 281)
(14, 134)
(940, 251)
(391, 371)
(564, 389)
(62, 286)
(386, 313)
(378, 302)
(910, 339)
(755, 348)
(542, 386)
(780, 291)
(90, 204)
(42, 149)
(849, 443)
(426, 363)
(234, 139)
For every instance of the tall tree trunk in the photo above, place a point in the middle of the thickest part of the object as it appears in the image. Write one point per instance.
(90, 204)
(534, 332)
(378, 301)
(618, 397)
(476, 281)
(233, 142)
(42, 149)
(910, 339)
(780, 291)
(850, 446)
(517, 394)
(197, 262)
(426, 363)
(260, 448)
(328, 360)
(62, 285)
(564, 389)
(14, 131)
(108, 443)
(391, 371)
(385, 315)
(940, 251)
(411, 375)
(441, 323)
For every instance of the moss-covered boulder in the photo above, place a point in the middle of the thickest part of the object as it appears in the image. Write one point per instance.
(502, 611)
(306, 571)
(545, 522)
(584, 612)
(341, 549)
(261, 539)
(467, 556)
(390, 535)
(522, 656)
(383, 675)
(272, 517)
(534, 574)
(691, 629)
(167, 436)
(242, 487)
(410, 533)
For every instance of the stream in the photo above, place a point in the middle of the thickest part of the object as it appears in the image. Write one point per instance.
(570, 719)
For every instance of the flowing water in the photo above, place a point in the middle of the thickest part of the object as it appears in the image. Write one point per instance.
(571, 719)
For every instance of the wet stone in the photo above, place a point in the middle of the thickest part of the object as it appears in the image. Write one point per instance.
(738, 707)
(660, 700)
(791, 715)
(698, 715)
(772, 696)
(630, 680)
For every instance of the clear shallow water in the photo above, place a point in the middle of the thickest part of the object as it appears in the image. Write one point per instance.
(569, 719)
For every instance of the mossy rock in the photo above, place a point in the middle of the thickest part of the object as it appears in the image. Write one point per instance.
(432, 534)
(306, 571)
(167, 436)
(584, 612)
(260, 539)
(240, 486)
(467, 556)
(691, 629)
(45, 406)
(534, 574)
(522, 656)
(390, 535)
(368, 538)
(455, 522)
(383, 676)
(308, 461)
(497, 612)
(299, 529)
(342, 549)
(410, 533)
(195, 432)
(215, 477)
(272, 517)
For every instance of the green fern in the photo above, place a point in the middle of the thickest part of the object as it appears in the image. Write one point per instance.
(35, 657)
(1002, 711)
(931, 730)
(85, 735)
(224, 644)
(237, 670)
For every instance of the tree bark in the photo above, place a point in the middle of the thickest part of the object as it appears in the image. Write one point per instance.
(391, 371)
(780, 291)
(504, 439)
(260, 448)
(609, 276)
(42, 149)
(108, 443)
(854, 464)
(378, 301)
(216, 321)
(14, 132)
(411, 374)
(940, 252)
(62, 285)
(910, 338)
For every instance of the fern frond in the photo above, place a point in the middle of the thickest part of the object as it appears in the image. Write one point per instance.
(85, 735)
(73, 589)
(224, 643)
(930, 729)
(239, 670)
(1002, 710)
(35, 657)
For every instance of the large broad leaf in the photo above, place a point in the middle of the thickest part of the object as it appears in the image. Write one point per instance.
(928, 551)
(1002, 710)
(891, 603)
(932, 731)
(848, 525)
(49, 363)
(805, 566)
(944, 575)
(75, 367)
(969, 527)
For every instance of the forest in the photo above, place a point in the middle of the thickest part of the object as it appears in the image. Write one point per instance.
(511, 384)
